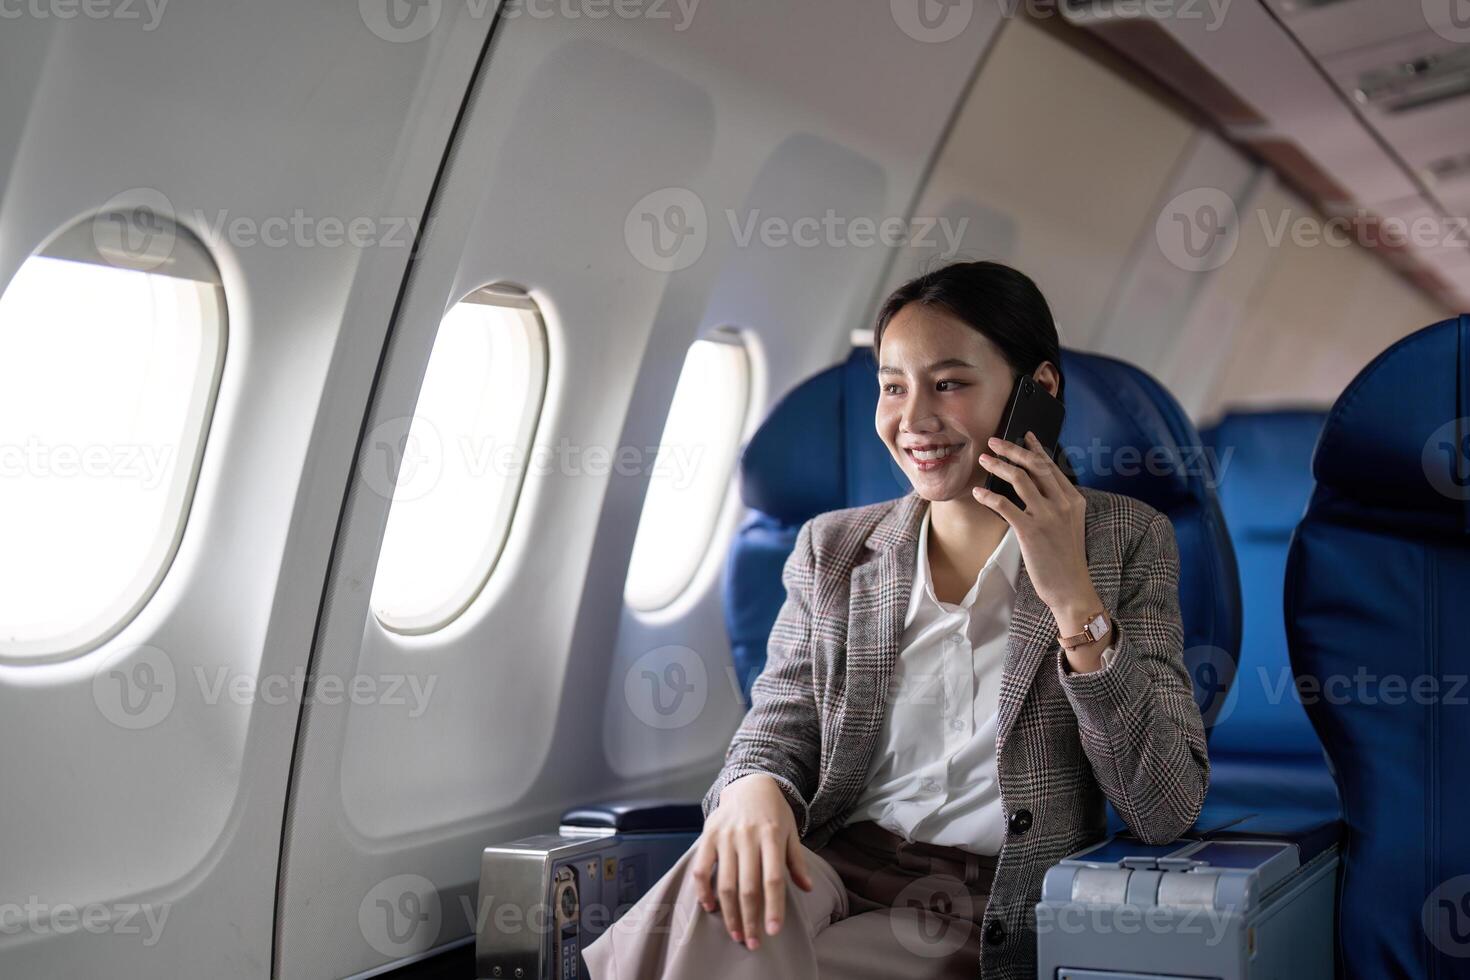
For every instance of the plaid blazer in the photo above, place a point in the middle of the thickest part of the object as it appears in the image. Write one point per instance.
(1130, 732)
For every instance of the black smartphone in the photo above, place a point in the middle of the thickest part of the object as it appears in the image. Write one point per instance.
(1032, 408)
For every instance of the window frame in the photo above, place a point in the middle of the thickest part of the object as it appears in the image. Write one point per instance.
(670, 599)
(504, 296)
(188, 259)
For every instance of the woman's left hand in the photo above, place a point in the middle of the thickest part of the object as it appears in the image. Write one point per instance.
(1051, 530)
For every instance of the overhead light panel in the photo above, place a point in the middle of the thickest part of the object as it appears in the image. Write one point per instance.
(1423, 81)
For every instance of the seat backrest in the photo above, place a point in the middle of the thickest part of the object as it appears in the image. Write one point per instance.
(1376, 583)
(1264, 754)
(793, 469)
(1125, 433)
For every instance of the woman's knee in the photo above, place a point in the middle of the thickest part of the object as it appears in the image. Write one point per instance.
(826, 902)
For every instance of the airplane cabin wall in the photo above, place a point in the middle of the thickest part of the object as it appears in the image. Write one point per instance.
(1320, 315)
(226, 112)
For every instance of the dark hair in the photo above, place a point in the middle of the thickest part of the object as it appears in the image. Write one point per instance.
(999, 302)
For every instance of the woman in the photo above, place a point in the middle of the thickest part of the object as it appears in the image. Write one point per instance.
(952, 687)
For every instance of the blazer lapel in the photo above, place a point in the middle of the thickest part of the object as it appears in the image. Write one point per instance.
(1033, 634)
(878, 599)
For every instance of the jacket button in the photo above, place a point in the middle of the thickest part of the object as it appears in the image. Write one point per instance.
(995, 932)
(1020, 822)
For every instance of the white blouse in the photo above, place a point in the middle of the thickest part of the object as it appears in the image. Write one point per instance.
(933, 775)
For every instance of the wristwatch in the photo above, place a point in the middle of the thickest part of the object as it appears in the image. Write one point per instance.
(1097, 627)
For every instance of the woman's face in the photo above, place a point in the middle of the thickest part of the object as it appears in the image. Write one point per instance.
(942, 388)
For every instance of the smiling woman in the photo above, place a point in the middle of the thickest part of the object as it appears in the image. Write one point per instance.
(1013, 329)
(1045, 647)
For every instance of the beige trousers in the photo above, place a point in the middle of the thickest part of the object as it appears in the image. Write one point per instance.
(881, 907)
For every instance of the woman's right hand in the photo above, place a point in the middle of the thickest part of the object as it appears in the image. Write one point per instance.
(751, 839)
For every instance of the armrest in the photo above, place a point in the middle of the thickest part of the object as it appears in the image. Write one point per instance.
(604, 857)
(1308, 832)
(1237, 896)
(642, 816)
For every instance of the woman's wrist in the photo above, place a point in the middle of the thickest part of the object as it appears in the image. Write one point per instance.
(1075, 612)
(1072, 615)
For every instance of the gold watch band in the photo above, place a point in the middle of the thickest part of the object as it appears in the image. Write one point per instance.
(1097, 627)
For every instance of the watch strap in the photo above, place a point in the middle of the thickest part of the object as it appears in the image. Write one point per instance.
(1097, 627)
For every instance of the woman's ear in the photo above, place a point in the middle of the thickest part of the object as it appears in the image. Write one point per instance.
(1046, 376)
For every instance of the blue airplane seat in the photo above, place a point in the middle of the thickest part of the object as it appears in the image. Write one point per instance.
(1376, 579)
(816, 451)
(1125, 433)
(1264, 754)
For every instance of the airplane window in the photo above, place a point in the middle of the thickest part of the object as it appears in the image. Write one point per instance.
(463, 460)
(691, 473)
(112, 339)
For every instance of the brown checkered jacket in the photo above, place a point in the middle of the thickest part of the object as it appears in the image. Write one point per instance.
(1130, 732)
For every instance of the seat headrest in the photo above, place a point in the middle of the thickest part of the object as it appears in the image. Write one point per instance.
(1395, 449)
(1263, 462)
(818, 450)
(1125, 433)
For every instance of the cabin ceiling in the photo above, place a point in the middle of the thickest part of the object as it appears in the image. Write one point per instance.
(1362, 105)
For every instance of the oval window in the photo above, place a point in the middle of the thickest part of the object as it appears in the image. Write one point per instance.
(691, 475)
(462, 460)
(112, 340)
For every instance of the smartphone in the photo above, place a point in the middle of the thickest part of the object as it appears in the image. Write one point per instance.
(1031, 408)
